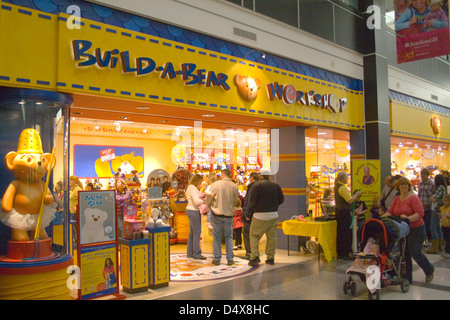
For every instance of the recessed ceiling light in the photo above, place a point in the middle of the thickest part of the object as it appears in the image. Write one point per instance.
(123, 117)
(163, 121)
(259, 121)
(208, 115)
(142, 107)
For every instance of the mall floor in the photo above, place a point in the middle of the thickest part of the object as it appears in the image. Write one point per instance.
(296, 276)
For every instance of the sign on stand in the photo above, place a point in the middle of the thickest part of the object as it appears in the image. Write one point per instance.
(97, 244)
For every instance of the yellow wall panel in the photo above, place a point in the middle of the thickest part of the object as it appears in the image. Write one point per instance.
(412, 121)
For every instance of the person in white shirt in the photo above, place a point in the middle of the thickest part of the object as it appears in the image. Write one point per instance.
(195, 222)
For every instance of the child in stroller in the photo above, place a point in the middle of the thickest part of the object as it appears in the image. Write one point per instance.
(384, 242)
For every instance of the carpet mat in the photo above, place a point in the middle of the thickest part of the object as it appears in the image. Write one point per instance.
(184, 269)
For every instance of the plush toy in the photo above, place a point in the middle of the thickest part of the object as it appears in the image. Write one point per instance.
(22, 200)
(93, 229)
(247, 87)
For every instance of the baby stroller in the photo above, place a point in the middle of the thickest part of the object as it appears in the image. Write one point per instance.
(390, 234)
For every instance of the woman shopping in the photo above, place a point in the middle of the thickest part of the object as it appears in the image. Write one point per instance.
(124, 196)
(195, 222)
(408, 206)
(437, 201)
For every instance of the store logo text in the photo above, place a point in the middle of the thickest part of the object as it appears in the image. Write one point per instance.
(144, 65)
(290, 95)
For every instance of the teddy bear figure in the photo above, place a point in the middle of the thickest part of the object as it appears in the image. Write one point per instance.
(247, 87)
(21, 202)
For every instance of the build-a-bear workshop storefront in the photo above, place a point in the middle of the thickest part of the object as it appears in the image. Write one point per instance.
(106, 103)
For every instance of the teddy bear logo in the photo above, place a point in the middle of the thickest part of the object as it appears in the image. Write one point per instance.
(436, 124)
(247, 87)
(21, 202)
(93, 229)
(127, 163)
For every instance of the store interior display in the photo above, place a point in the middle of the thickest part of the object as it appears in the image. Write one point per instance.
(410, 156)
(327, 153)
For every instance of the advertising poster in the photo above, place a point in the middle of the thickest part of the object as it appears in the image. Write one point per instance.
(422, 29)
(366, 176)
(92, 161)
(99, 275)
(97, 243)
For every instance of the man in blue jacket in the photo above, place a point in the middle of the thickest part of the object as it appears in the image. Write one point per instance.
(264, 198)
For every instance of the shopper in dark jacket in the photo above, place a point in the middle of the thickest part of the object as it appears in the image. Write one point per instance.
(265, 197)
(247, 216)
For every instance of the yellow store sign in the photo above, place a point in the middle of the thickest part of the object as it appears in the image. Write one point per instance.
(40, 51)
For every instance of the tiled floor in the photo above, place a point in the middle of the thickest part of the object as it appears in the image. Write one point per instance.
(298, 277)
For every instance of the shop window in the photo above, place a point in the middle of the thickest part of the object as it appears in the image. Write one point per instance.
(410, 156)
(34, 128)
(327, 151)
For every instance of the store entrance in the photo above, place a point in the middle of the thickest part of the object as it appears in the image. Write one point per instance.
(150, 145)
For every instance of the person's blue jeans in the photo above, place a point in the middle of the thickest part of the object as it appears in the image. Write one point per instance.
(193, 249)
(415, 240)
(435, 226)
(222, 224)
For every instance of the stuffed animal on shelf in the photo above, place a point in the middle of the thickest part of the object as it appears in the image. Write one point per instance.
(21, 202)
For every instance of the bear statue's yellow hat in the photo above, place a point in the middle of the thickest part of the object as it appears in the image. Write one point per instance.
(30, 142)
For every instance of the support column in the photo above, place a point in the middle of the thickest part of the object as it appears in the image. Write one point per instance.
(291, 177)
(376, 94)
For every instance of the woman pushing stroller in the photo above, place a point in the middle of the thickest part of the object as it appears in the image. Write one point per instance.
(408, 206)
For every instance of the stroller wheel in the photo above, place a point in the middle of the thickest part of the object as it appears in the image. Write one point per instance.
(353, 288)
(346, 286)
(375, 295)
(404, 285)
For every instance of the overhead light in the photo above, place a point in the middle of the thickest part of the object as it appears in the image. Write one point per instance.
(208, 115)
(144, 130)
(259, 121)
(142, 107)
(263, 55)
(122, 121)
(39, 103)
(97, 127)
(22, 102)
(163, 121)
(400, 144)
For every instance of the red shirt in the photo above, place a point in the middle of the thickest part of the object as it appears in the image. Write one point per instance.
(408, 207)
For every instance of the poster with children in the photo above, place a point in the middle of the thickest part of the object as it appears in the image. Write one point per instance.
(99, 272)
(97, 244)
(422, 29)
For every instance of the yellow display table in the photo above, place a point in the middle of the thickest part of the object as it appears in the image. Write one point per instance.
(325, 232)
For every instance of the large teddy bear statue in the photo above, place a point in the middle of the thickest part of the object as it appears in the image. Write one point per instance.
(21, 202)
